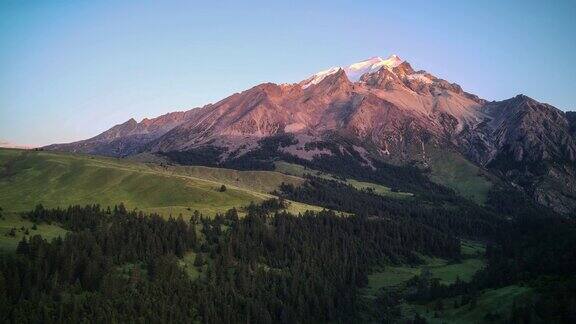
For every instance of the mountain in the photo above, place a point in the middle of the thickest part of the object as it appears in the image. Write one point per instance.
(375, 110)
(535, 147)
(126, 138)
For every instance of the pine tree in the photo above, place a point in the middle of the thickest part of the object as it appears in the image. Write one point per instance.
(23, 247)
(199, 260)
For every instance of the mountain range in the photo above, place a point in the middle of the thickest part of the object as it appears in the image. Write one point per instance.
(374, 110)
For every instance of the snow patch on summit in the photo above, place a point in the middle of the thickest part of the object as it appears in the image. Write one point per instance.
(318, 77)
(356, 70)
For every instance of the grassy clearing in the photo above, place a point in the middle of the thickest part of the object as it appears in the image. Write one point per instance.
(395, 276)
(300, 171)
(453, 171)
(12, 220)
(472, 249)
(28, 178)
(497, 302)
(187, 263)
(390, 277)
(296, 208)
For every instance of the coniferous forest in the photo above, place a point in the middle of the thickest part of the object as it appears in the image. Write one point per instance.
(268, 265)
(229, 162)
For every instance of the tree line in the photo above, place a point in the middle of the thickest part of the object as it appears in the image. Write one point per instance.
(116, 265)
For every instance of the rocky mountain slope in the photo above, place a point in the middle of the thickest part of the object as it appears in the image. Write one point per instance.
(126, 138)
(387, 110)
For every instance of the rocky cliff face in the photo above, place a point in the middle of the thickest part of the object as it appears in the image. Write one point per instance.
(534, 146)
(530, 131)
(390, 111)
(571, 117)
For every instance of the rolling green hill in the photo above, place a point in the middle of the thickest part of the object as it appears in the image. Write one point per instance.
(392, 276)
(13, 228)
(454, 171)
(300, 171)
(54, 179)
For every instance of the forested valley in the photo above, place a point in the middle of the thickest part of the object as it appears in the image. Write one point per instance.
(262, 264)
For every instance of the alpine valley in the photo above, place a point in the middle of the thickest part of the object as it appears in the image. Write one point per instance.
(370, 193)
(377, 114)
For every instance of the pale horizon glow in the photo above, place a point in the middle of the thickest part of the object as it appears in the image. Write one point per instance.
(71, 70)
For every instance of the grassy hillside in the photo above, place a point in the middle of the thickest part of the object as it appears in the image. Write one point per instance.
(494, 303)
(260, 181)
(13, 228)
(453, 171)
(394, 276)
(54, 179)
(298, 170)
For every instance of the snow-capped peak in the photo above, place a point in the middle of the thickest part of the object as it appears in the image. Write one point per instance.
(316, 78)
(356, 70)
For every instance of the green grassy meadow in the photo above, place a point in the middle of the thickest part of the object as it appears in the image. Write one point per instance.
(491, 302)
(453, 171)
(28, 178)
(187, 263)
(23, 228)
(259, 181)
(496, 302)
(393, 276)
(300, 171)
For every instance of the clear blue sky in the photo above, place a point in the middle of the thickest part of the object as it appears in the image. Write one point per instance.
(71, 69)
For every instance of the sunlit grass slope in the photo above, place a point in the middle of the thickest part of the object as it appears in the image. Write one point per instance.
(453, 171)
(13, 228)
(54, 179)
(298, 170)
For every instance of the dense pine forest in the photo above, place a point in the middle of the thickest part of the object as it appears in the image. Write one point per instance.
(263, 264)
(267, 265)
(225, 162)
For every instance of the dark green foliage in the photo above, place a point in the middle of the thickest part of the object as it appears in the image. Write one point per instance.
(302, 269)
(535, 249)
(270, 266)
(516, 204)
(259, 159)
(270, 205)
(263, 157)
(348, 163)
(462, 219)
(344, 161)
(259, 269)
(205, 156)
(386, 306)
(199, 261)
(75, 279)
